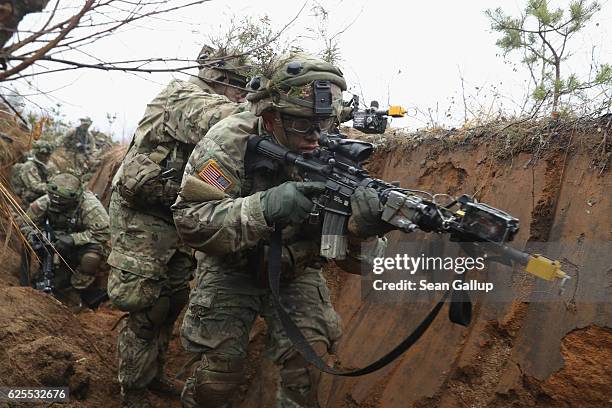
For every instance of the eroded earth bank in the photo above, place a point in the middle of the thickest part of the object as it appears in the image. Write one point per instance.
(519, 353)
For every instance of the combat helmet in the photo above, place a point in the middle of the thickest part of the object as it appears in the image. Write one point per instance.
(42, 148)
(64, 190)
(299, 85)
(221, 64)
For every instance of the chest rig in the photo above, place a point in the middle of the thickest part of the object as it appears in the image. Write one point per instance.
(65, 221)
(300, 242)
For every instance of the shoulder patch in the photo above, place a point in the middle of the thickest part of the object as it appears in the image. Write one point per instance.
(212, 174)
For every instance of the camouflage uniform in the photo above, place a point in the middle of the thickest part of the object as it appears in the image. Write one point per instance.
(29, 179)
(103, 141)
(81, 150)
(86, 223)
(151, 269)
(220, 214)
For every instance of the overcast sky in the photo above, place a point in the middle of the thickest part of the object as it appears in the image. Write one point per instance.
(404, 52)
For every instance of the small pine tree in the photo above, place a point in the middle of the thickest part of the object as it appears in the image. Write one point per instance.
(543, 35)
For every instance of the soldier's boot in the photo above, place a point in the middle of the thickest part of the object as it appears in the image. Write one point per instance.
(166, 386)
(299, 381)
(214, 382)
(136, 398)
(162, 384)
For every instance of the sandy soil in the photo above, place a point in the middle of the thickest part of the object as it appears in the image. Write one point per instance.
(514, 354)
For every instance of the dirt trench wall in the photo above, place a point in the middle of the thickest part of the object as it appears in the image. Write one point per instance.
(100, 183)
(516, 353)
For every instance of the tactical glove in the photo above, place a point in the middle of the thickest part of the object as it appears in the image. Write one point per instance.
(32, 236)
(64, 243)
(366, 211)
(289, 202)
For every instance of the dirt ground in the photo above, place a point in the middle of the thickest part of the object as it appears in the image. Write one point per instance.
(514, 354)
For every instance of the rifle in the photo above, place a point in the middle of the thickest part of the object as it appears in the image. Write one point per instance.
(372, 119)
(42, 245)
(338, 163)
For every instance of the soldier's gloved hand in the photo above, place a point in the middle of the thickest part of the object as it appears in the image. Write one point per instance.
(366, 211)
(63, 243)
(290, 202)
(31, 236)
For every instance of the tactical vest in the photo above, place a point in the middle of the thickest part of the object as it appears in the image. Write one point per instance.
(300, 242)
(65, 221)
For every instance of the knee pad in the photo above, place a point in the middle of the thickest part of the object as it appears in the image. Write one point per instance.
(146, 323)
(300, 380)
(216, 378)
(85, 274)
(90, 263)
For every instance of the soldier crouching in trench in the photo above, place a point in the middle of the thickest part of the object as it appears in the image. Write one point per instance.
(80, 231)
(227, 209)
(29, 179)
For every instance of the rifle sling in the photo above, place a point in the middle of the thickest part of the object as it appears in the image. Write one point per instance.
(296, 336)
(24, 268)
(460, 309)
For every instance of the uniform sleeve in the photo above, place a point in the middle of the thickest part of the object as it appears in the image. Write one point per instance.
(32, 180)
(222, 222)
(36, 214)
(192, 112)
(96, 223)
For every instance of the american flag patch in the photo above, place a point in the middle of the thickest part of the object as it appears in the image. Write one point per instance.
(213, 175)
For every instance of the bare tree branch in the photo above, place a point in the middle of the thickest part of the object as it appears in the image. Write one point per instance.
(90, 22)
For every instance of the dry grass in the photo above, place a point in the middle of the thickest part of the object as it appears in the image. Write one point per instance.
(508, 138)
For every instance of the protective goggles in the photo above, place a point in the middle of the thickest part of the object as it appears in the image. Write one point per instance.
(59, 201)
(305, 126)
(235, 81)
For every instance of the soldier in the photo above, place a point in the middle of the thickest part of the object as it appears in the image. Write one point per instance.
(81, 149)
(150, 268)
(80, 228)
(227, 208)
(103, 141)
(29, 179)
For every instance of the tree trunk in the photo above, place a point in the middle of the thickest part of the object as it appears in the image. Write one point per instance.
(556, 89)
(12, 12)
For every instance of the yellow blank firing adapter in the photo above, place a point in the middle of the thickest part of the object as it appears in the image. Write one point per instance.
(545, 268)
(396, 111)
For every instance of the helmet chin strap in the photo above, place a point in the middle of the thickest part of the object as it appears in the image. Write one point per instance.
(278, 130)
